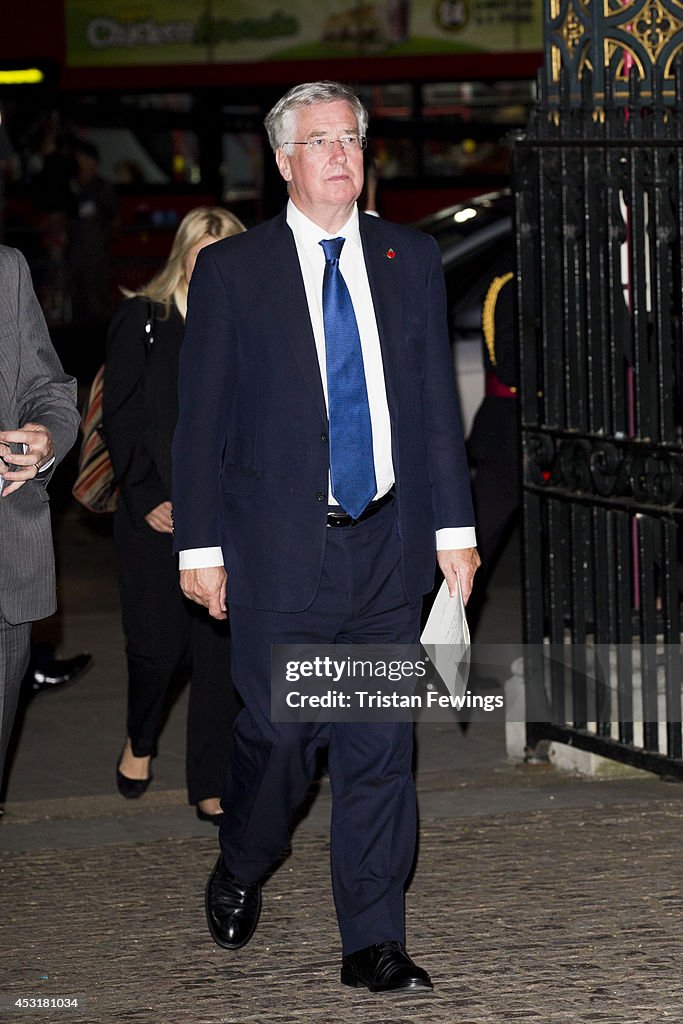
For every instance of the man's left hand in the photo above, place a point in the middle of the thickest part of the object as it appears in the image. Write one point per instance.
(459, 567)
(38, 450)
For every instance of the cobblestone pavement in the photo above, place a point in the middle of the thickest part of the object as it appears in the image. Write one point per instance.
(557, 916)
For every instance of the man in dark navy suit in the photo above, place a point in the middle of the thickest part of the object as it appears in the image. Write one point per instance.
(319, 466)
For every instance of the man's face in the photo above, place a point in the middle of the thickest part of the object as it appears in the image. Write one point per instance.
(328, 182)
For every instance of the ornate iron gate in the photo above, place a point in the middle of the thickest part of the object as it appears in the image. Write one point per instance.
(599, 209)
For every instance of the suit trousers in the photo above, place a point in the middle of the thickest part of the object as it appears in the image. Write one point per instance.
(15, 645)
(168, 637)
(361, 600)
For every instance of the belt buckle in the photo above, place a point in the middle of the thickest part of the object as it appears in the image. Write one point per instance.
(343, 519)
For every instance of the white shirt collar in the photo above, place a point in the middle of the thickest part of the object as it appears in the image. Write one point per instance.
(308, 233)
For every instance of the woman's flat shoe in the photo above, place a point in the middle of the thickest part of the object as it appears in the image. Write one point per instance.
(132, 789)
(215, 819)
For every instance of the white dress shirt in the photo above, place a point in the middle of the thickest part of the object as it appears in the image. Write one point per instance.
(307, 236)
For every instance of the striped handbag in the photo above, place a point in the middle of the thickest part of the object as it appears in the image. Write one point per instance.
(95, 487)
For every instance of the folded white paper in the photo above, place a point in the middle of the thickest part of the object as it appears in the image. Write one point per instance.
(446, 640)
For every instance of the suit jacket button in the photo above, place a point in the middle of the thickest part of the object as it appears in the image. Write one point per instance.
(321, 496)
(323, 437)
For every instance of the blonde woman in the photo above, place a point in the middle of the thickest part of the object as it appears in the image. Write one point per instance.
(166, 635)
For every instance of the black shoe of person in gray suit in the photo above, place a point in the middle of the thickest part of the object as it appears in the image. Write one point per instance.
(45, 672)
(384, 967)
(232, 907)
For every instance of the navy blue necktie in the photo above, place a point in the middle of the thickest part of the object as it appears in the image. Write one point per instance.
(352, 468)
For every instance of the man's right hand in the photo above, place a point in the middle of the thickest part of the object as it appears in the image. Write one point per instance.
(207, 587)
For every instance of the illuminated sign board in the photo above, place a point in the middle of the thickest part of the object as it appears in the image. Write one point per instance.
(121, 32)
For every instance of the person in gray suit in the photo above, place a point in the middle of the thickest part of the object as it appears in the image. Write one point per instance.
(38, 424)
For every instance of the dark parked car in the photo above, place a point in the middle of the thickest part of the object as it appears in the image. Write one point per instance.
(476, 242)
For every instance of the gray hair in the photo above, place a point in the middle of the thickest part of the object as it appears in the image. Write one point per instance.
(279, 121)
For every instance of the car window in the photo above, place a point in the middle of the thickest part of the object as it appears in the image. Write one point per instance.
(468, 280)
(476, 245)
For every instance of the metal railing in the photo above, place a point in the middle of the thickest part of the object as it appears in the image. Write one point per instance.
(599, 216)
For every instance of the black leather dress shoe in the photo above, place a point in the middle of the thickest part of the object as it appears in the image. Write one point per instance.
(232, 907)
(49, 673)
(384, 967)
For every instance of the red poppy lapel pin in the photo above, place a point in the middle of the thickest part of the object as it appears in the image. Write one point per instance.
(390, 254)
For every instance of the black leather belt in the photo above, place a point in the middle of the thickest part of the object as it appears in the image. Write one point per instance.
(342, 519)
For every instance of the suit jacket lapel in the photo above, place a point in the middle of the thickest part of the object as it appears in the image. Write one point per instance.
(285, 286)
(384, 275)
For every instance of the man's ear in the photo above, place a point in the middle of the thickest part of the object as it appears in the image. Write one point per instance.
(283, 164)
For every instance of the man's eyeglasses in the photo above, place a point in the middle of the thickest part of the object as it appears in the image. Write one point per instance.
(349, 143)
